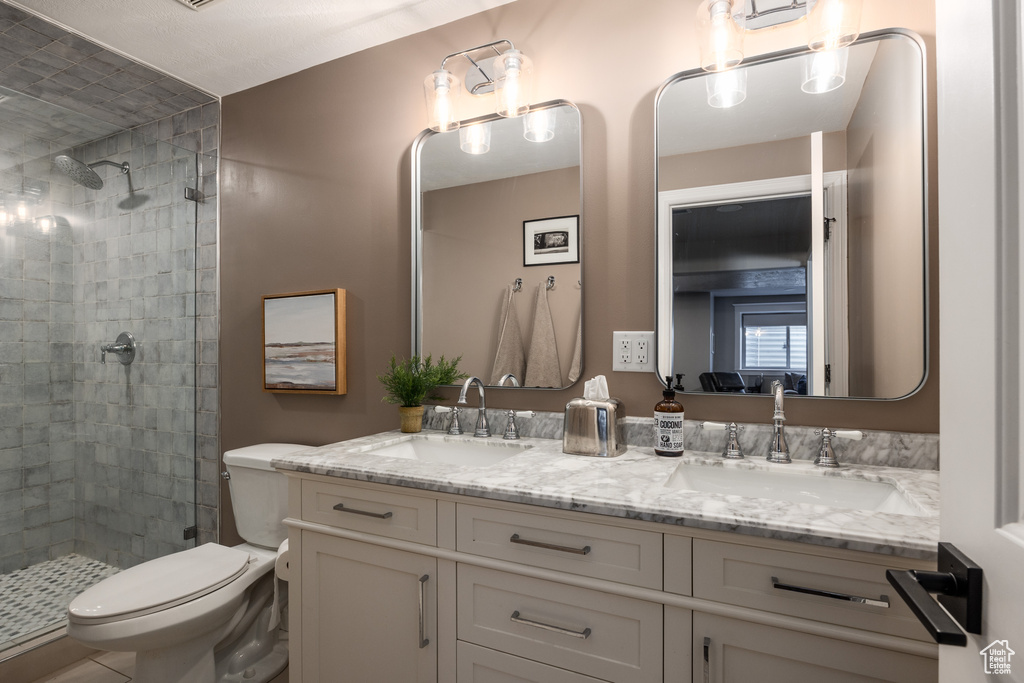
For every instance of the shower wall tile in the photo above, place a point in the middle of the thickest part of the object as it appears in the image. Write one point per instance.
(113, 265)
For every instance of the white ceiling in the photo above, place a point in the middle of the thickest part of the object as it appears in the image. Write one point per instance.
(231, 45)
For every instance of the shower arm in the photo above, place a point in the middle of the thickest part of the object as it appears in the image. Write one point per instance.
(124, 166)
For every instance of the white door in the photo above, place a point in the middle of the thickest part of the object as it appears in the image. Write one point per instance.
(981, 309)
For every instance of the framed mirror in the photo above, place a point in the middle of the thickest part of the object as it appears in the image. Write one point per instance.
(497, 268)
(792, 224)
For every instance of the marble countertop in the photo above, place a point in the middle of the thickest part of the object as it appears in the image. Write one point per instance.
(633, 486)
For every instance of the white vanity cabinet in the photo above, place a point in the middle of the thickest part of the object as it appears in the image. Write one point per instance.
(399, 584)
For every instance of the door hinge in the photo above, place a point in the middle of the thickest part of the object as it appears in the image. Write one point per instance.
(190, 532)
(828, 227)
(828, 372)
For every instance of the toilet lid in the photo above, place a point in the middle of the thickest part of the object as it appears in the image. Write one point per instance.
(160, 584)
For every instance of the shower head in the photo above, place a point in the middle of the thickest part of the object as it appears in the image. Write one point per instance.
(82, 173)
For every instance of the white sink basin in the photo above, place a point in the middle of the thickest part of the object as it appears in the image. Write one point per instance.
(795, 487)
(475, 453)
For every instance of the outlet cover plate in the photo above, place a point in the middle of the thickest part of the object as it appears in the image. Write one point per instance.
(632, 351)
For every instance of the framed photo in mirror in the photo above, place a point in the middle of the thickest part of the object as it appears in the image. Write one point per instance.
(304, 343)
(548, 241)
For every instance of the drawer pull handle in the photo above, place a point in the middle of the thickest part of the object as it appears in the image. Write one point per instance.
(707, 660)
(424, 641)
(585, 550)
(583, 635)
(881, 601)
(340, 507)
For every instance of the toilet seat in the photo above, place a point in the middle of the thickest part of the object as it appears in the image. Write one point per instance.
(159, 584)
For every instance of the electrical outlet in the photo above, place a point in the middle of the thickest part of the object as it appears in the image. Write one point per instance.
(641, 351)
(632, 351)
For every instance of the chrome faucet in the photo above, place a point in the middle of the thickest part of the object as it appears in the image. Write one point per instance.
(779, 451)
(481, 419)
(508, 376)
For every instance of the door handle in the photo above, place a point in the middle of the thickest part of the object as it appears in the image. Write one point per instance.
(958, 583)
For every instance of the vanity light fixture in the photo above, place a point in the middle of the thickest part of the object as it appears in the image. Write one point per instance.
(475, 138)
(539, 125)
(442, 89)
(720, 32)
(832, 25)
(508, 75)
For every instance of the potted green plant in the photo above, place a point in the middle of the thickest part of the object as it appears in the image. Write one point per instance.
(409, 381)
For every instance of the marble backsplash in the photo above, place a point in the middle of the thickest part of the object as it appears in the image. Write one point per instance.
(886, 449)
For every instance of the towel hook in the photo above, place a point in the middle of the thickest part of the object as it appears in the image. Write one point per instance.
(518, 284)
(551, 281)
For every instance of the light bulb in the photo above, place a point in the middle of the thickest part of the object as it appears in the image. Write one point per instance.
(475, 139)
(441, 89)
(825, 71)
(513, 80)
(720, 32)
(833, 23)
(539, 126)
(727, 89)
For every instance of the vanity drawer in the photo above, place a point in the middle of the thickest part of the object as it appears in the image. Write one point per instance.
(610, 637)
(395, 515)
(583, 548)
(765, 579)
(482, 665)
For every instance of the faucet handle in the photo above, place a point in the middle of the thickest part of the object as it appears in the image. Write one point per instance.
(732, 450)
(826, 456)
(455, 428)
(511, 432)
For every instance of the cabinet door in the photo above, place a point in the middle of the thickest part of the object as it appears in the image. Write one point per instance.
(368, 613)
(733, 651)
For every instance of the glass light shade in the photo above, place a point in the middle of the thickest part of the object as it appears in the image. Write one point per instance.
(513, 83)
(727, 89)
(833, 23)
(825, 71)
(441, 90)
(476, 138)
(539, 126)
(720, 33)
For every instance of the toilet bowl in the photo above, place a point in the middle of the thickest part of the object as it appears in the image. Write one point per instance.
(207, 614)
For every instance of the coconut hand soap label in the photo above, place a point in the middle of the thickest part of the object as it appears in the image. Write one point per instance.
(668, 424)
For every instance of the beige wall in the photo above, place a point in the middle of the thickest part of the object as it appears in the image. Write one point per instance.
(315, 194)
(776, 159)
(886, 279)
(473, 243)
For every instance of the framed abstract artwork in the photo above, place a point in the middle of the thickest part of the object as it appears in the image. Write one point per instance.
(304, 348)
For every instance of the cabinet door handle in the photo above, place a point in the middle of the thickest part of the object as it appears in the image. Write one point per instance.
(583, 635)
(340, 507)
(424, 641)
(881, 601)
(585, 550)
(707, 660)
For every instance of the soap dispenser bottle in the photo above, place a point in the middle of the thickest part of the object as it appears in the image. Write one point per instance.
(668, 423)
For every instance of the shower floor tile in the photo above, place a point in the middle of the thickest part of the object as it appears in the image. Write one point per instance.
(36, 598)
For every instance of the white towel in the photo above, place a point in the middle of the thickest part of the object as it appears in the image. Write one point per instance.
(281, 573)
(542, 369)
(576, 366)
(510, 356)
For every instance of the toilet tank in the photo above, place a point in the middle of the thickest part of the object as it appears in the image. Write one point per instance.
(259, 493)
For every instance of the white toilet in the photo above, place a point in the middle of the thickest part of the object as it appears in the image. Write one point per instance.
(204, 614)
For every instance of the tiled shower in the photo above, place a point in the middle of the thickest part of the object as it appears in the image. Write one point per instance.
(102, 465)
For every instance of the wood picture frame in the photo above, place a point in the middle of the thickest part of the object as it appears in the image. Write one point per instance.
(304, 346)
